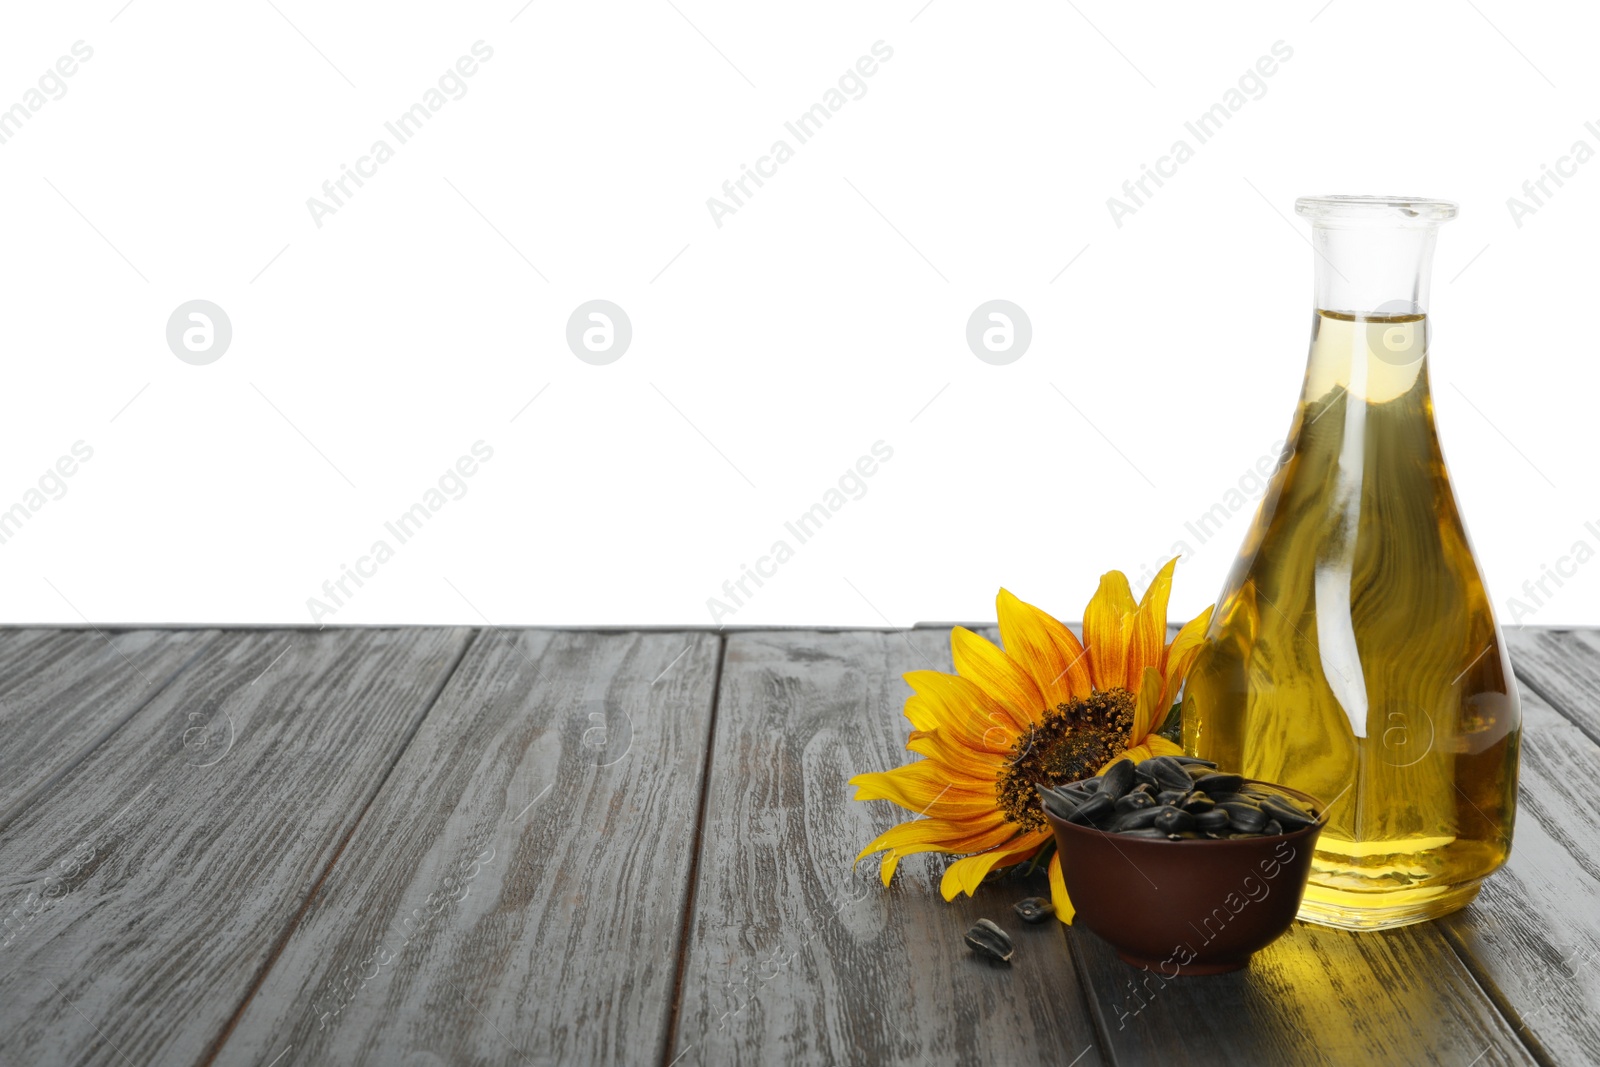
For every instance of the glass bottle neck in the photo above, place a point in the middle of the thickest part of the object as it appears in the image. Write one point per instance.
(1376, 269)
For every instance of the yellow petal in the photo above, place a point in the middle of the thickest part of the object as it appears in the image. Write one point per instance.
(965, 875)
(942, 835)
(1058, 892)
(1160, 746)
(1046, 648)
(1138, 753)
(961, 709)
(926, 788)
(1148, 638)
(997, 674)
(935, 835)
(1106, 622)
(960, 759)
(1149, 712)
(1182, 651)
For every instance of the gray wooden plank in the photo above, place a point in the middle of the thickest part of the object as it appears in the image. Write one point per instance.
(62, 693)
(1533, 934)
(515, 894)
(791, 959)
(1314, 996)
(1564, 667)
(147, 889)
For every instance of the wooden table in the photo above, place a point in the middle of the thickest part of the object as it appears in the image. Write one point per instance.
(437, 846)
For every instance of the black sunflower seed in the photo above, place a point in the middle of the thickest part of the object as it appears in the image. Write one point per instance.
(1219, 783)
(1286, 812)
(1177, 798)
(1172, 820)
(1117, 781)
(1135, 801)
(1058, 802)
(1136, 820)
(1094, 811)
(1034, 909)
(1167, 773)
(1245, 817)
(989, 940)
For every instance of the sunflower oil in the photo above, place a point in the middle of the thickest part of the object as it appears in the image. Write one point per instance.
(1353, 653)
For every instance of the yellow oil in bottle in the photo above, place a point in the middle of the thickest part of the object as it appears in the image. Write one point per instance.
(1353, 653)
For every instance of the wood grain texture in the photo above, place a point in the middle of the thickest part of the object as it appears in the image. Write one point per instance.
(1533, 935)
(62, 692)
(793, 960)
(1563, 666)
(516, 892)
(148, 888)
(1314, 996)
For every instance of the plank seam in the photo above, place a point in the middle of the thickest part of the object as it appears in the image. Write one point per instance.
(1091, 1005)
(691, 897)
(1491, 992)
(293, 924)
(1547, 695)
(37, 793)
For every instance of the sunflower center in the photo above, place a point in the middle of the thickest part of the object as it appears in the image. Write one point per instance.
(1073, 741)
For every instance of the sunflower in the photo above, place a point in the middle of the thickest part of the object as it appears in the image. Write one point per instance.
(1046, 710)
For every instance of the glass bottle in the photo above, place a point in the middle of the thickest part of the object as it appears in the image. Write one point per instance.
(1353, 653)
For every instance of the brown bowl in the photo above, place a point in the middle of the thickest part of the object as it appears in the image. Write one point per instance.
(1187, 907)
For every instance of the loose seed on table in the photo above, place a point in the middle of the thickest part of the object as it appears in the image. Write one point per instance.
(989, 940)
(1034, 910)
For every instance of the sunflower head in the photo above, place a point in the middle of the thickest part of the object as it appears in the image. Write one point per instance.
(1043, 710)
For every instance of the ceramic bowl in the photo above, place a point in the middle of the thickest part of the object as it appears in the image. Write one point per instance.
(1187, 907)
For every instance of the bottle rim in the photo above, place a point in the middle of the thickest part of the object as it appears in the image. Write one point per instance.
(1374, 208)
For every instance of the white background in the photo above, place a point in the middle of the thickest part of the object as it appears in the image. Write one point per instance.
(768, 354)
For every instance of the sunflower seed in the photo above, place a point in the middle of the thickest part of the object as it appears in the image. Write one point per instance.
(1147, 799)
(1117, 780)
(1286, 812)
(1135, 801)
(1219, 783)
(1058, 802)
(987, 939)
(1092, 812)
(1136, 820)
(1167, 773)
(1034, 909)
(1244, 817)
(1172, 820)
